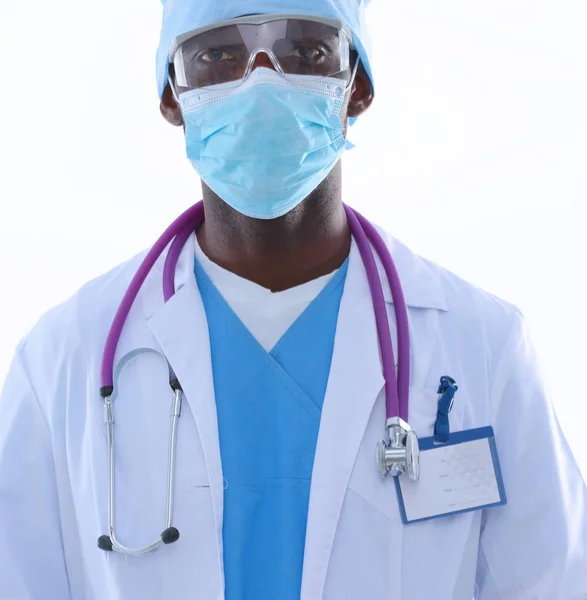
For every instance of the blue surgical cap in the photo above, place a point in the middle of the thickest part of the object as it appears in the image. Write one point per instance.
(181, 16)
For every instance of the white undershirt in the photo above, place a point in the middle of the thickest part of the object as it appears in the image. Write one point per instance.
(266, 314)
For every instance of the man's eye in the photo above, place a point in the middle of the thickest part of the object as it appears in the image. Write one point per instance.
(309, 53)
(213, 55)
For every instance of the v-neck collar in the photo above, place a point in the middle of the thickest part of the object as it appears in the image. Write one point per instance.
(226, 281)
(204, 281)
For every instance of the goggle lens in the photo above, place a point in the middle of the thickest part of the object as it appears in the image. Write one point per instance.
(294, 46)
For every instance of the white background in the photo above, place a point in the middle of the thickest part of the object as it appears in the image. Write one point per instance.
(474, 154)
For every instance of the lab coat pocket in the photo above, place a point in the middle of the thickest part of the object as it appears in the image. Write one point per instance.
(371, 520)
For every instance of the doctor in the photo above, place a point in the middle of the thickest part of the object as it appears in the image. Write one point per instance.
(272, 337)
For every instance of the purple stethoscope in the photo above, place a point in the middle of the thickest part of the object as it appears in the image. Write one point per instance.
(398, 454)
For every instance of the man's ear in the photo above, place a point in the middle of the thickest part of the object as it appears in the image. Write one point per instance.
(361, 93)
(169, 107)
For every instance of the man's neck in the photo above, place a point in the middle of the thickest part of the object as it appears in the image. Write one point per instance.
(310, 241)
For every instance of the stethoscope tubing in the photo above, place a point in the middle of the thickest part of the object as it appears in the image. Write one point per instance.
(402, 325)
(380, 310)
(175, 236)
(365, 235)
(107, 366)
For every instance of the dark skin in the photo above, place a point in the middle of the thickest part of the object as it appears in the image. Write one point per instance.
(310, 241)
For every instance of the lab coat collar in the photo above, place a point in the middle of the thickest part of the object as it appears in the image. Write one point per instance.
(420, 279)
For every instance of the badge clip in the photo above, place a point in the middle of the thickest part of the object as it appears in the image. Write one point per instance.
(448, 388)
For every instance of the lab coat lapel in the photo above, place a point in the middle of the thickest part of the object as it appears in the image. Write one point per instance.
(181, 329)
(355, 397)
(353, 386)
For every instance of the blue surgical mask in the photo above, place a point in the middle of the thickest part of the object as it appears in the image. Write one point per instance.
(263, 145)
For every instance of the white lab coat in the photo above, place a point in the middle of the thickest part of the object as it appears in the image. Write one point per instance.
(53, 494)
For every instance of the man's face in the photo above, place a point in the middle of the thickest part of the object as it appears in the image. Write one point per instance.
(357, 100)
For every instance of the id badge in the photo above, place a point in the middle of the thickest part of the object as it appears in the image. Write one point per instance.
(456, 476)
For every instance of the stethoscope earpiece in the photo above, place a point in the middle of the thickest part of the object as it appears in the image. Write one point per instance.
(170, 535)
(105, 543)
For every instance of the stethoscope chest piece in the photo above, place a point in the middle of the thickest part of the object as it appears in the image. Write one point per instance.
(400, 453)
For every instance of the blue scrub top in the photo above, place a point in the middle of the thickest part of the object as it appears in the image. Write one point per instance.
(269, 406)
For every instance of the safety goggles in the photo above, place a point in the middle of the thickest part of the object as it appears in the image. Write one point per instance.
(295, 45)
